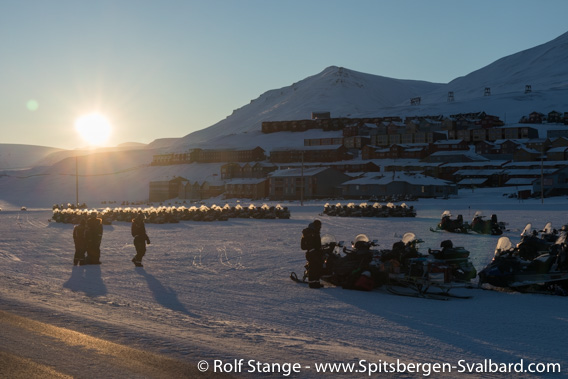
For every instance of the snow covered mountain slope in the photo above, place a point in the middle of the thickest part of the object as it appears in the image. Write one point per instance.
(16, 156)
(343, 92)
(347, 93)
(543, 67)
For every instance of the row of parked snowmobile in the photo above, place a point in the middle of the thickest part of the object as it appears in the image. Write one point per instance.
(538, 263)
(167, 215)
(369, 210)
(478, 224)
(402, 270)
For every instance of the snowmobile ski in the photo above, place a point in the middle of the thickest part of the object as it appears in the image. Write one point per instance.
(468, 231)
(423, 295)
(295, 278)
(450, 295)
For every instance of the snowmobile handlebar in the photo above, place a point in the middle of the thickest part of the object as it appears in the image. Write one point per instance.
(367, 245)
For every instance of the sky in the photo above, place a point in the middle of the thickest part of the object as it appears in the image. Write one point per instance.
(163, 69)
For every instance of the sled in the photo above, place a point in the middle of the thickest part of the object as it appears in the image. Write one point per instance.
(405, 285)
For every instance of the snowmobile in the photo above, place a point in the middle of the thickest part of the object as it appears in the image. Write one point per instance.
(403, 270)
(342, 265)
(481, 226)
(449, 225)
(512, 266)
(532, 245)
(548, 233)
(443, 269)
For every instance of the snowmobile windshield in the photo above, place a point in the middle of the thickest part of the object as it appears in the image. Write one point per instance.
(446, 214)
(561, 239)
(327, 238)
(408, 238)
(527, 231)
(361, 238)
(504, 245)
(478, 214)
(547, 228)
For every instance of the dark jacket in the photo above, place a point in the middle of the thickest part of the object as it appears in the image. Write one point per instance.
(79, 237)
(311, 238)
(138, 231)
(94, 232)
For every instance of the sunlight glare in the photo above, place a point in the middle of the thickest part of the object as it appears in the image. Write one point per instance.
(94, 128)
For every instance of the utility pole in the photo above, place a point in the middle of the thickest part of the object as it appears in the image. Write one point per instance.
(542, 179)
(302, 182)
(76, 183)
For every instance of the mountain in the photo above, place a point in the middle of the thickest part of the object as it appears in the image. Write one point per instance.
(544, 67)
(16, 156)
(343, 92)
(348, 93)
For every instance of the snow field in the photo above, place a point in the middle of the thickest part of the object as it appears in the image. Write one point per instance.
(221, 290)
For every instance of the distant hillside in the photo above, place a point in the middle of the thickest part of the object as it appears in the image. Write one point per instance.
(162, 143)
(16, 156)
(343, 92)
(348, 93)
(543, 67)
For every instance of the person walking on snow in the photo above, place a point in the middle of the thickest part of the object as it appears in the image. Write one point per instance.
(140, 239)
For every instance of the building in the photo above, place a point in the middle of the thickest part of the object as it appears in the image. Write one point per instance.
(246, 170)
(519, 131)
(162, 190)
(201, 190)
(524, 153)
(480, 178)
(397, 183)
(454, 156)
(331, 153)
(557, 154)
(227, 155)
(449, 145)
(553, 183)
(323, 141)
(210, 156)
(167, 159)
(307, 183)
(247, 188)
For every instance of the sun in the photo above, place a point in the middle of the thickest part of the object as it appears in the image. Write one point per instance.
(94, 128)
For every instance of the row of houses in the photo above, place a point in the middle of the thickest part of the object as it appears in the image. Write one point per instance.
(324, 123)
(304, 183)
(520, 162)
(539, 118)
(479, 129)
(391, 176)
(355, 126)
(520, 150)
(210, 156)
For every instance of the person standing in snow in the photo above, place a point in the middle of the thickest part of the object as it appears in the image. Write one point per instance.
(311, 242)
(94, 236)
(138, 231)
(80, 243)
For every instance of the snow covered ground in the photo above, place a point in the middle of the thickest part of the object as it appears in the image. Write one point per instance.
(221, 291)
